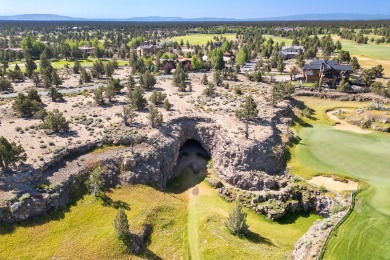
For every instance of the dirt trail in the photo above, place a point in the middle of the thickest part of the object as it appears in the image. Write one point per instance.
(343, 125)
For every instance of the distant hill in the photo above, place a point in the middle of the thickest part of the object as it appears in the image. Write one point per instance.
(303, 17)
(38, 17)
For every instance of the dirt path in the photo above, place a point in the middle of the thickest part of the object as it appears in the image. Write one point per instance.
(331, 184)
(343, 125)
(192, 222)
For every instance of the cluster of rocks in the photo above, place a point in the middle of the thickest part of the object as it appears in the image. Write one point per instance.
(364, 97)
(309, 246)
(281, 197)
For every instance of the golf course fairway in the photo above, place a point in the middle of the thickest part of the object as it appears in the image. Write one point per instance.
(323, 149)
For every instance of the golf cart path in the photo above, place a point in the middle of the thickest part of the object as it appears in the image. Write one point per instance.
(345, 126)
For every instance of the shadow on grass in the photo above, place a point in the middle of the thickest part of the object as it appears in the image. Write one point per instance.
(292, 218)
(55, 215)
(116, 204)
(257, 239)
(186, 181)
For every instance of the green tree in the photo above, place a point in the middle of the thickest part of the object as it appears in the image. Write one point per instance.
(204, 80)
(6, 85)
(155, 118)
(110, 92)
(98, 96)
(54, 94)
(236, 222)
(128, 115)
(280, 91)
(167, 105)
(217, 78)
(56, 122)
(96, 182)
(149, 80)
(343, 86)
(137, 98)
(30, 65)
(10, 153)
(217, 62)
(76, 67)
(131, 83)
(355, 64)
(157, 97)
(209, 90)
(243, 55)
(26, 107)
(97, 69)
(294, 71)
(36, 79)
(55, 79)
(85, 76)
(247, 112)
(121, 225)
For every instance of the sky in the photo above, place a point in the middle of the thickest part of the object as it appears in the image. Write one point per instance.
(190, 8)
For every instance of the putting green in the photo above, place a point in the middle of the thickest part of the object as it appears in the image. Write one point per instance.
(366, 234)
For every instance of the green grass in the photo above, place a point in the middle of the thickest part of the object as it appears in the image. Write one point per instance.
(277, 39)
(188, 224)
(86, 230)
(61, 63)
(202, 39)
(366, 234)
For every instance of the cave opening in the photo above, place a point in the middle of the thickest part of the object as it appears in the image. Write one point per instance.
(191, 166)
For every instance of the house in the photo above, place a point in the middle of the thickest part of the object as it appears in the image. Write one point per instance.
(146, 50)
(87, 49)
(291, 52)
(217, 44)
(13, 49)
(326, 71)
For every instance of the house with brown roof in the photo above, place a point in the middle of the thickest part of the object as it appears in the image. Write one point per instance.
(326, 71)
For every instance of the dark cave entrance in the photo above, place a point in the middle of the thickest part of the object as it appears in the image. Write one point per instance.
(191, 166)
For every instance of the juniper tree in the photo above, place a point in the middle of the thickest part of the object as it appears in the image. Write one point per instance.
(247, 112)
(137, 98)
(56, 122)
(157, 97)
(167, 105)
(236, 223)
(96, 182)
(204, 80)
(10, 153)
(128, 115)
(54, 94)
(121, 225)
(98, 96)
(209, 90)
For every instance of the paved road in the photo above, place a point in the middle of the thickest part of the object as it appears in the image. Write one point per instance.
(68, 90)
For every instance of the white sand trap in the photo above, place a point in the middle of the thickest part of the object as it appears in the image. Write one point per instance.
(331, 184)
(342, 125)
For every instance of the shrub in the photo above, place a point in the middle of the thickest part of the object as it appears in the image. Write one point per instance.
(236, 223)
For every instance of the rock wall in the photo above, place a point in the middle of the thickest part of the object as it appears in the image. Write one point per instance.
(236, 161)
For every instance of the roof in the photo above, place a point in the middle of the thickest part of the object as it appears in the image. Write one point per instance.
(326, 65)
(86, 48)
(293, 48)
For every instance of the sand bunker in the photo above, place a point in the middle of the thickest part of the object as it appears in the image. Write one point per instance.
(331, 184)
(343, 125)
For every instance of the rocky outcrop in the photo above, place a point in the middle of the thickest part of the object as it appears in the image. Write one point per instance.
(236, 161)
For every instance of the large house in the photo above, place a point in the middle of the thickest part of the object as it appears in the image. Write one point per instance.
(326, 71)
(146, 50)
(291, 52)
(87, 49)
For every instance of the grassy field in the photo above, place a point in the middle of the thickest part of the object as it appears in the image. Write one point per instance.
(279, 39)
(366, 234)
(188, 224)
(61, 63)
(201, 39)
